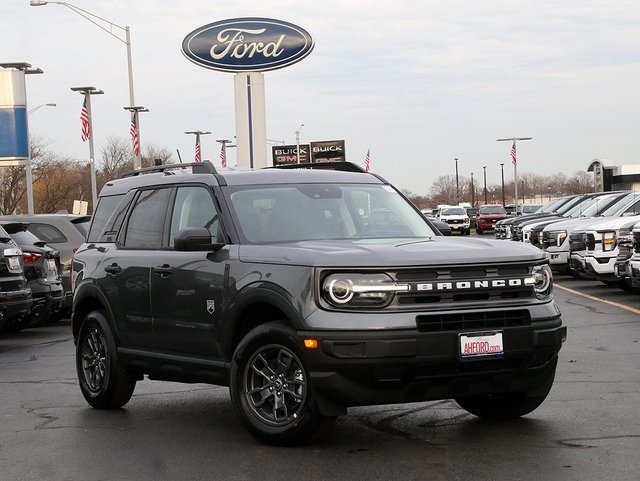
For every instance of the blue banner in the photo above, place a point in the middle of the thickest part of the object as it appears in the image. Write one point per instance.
(14, 138)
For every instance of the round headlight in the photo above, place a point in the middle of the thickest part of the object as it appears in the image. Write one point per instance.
(340, 290)
(542, 280)
(360, 290)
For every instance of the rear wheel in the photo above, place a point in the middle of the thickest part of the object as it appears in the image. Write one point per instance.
(271, 390)
(104, 383)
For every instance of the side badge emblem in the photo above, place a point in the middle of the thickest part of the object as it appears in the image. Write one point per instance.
(211, 306)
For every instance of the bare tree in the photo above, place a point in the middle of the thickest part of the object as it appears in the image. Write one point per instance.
(155, 152)
(116, 158)
(443, 190)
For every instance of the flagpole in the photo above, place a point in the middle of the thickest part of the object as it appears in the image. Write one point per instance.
(137, 157)
(88, 92)
(198, 133)
(515, 163)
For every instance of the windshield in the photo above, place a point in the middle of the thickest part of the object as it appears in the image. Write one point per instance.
(289, 213)
(530, 208)
(493, 209)
(453, 211)
(551, 206)
(615, 208)
(598, 205)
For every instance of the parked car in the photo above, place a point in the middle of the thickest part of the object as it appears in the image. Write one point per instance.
(553, 235)
(41, 269)
(488, 215)
(457, 218)
(15, 294)
(64, 232)
(509, 228)
(472, 212)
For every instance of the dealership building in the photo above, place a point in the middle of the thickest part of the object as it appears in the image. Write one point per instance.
(608, 177)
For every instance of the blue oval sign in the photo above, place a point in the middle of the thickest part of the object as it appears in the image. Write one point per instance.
(247, 44)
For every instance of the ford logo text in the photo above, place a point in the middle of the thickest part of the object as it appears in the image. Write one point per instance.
(247, 45)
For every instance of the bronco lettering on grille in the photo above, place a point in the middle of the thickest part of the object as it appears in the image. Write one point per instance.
(469, 285)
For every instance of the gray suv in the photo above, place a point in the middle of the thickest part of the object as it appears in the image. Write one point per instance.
(306, 291)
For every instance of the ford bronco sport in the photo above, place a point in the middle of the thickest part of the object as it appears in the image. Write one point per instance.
(290, 287)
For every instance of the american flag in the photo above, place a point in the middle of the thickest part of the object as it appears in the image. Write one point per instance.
(84, 118)
(513, 153)
(223, 157)
(367, 160)
(133, 130)
(197, 157)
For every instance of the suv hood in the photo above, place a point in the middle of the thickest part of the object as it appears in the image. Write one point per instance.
(395, 252)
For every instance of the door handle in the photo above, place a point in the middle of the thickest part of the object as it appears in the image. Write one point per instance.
(113, 269)
(163, 270)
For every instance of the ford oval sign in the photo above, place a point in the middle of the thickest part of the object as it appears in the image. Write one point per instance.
(247, 45)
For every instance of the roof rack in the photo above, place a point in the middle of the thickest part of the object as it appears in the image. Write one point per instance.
(344, 166)
(204, 167)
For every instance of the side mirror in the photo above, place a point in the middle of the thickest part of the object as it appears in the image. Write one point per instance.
(195, 239)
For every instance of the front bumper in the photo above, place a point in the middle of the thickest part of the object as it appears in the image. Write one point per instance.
(357, 368)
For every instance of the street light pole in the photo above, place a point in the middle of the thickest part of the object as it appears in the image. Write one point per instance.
(457, 184)
(473, 192)
(515, 163)
(484, 168)
(502, 176)
(36, 108)
(137, 163)
(88, 92)
(298, 143)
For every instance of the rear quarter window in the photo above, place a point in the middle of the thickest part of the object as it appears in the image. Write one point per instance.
(107, 217)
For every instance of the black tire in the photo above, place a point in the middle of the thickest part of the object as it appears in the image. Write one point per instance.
(479, 231)
(270, 388)
(104, 383)
(505, 406)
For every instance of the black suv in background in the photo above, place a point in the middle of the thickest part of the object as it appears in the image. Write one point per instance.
(280, 284)
(15, 295)
(41, 269)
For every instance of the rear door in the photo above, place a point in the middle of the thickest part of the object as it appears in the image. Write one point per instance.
(128, 262)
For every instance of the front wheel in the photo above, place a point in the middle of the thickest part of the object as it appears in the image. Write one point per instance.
(270, 387)
(104, 383)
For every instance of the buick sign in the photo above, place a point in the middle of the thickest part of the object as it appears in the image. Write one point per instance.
(247, 45)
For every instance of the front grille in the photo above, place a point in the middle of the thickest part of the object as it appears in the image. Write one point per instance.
(473, 321)
(577, 242)
(462, 284)
(625, 244)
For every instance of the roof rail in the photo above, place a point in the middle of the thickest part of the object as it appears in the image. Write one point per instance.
(344, 166)
(204, 167)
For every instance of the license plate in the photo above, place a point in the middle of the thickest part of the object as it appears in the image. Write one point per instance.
(51, 265)
(14, 263)
(481, 346)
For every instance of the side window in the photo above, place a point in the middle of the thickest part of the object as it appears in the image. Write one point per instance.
(47, 233)
(146, 223)
(104, 210)
(193, 207)
(634, 209)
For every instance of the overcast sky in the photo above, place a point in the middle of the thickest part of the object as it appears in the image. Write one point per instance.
(419, 82)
